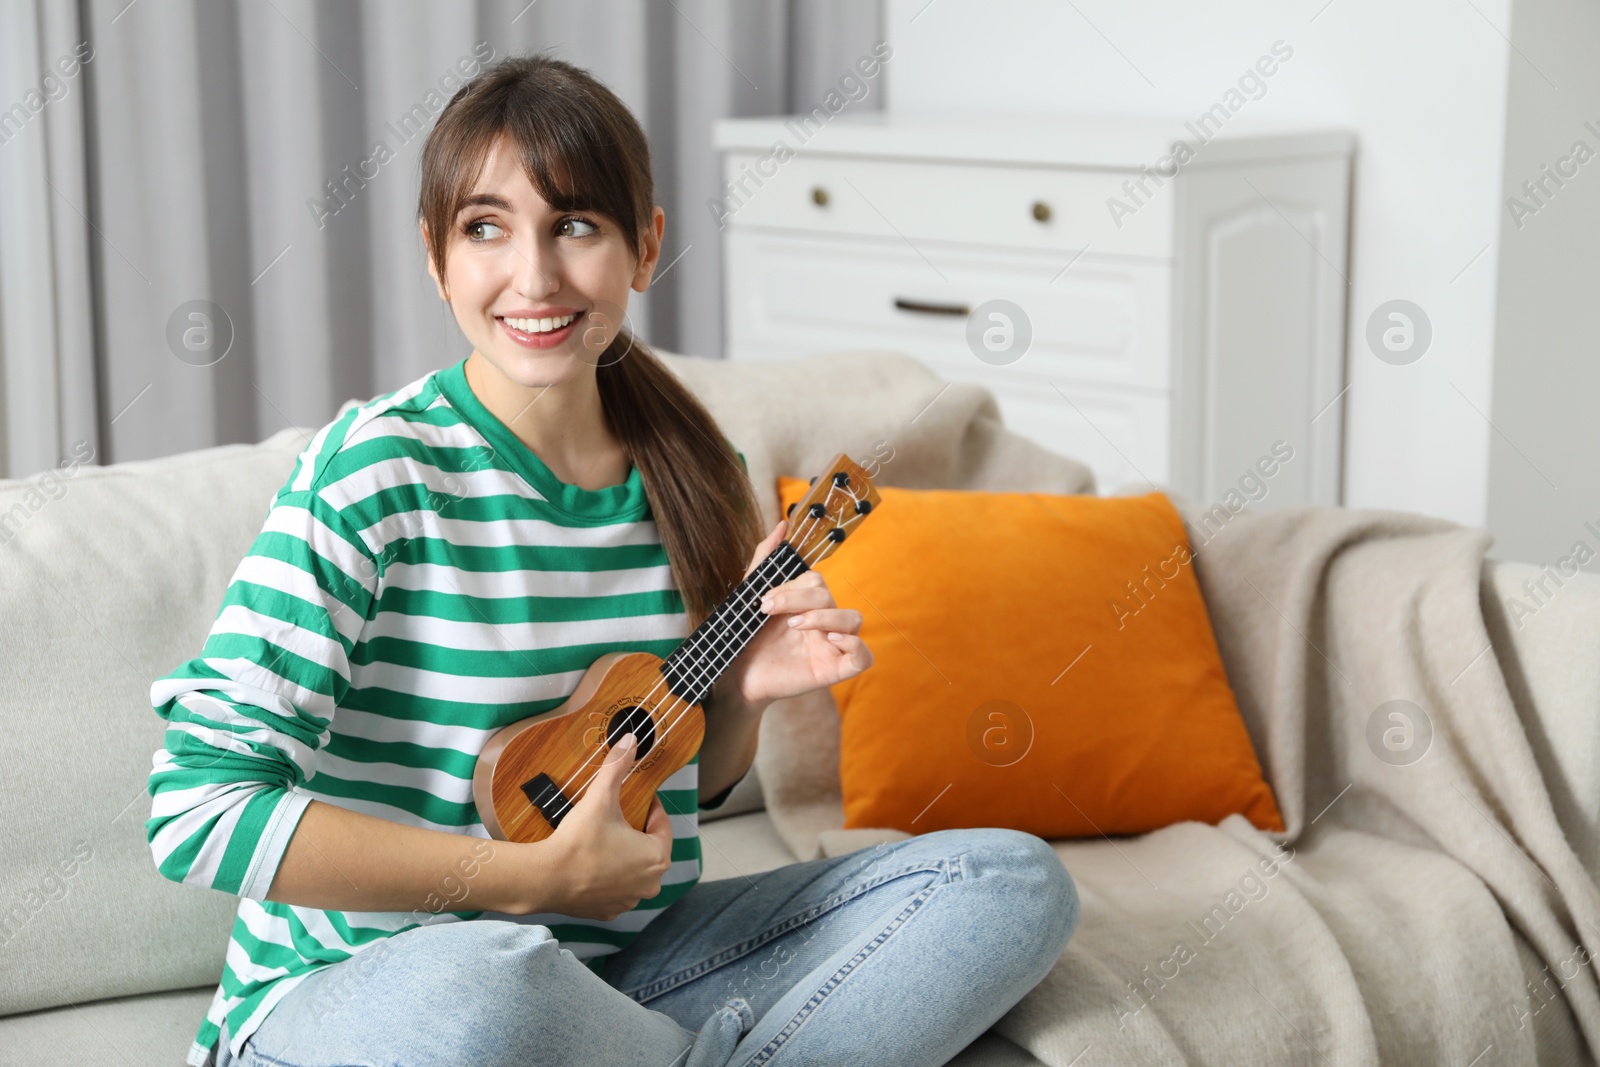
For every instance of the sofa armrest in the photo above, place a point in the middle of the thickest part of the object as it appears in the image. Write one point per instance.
(1545, 629)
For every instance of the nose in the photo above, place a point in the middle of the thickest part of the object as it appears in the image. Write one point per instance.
(533, 269)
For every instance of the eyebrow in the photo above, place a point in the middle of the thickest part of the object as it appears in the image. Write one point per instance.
(486, 200)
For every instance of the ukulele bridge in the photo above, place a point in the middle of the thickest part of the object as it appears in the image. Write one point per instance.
(544, 794)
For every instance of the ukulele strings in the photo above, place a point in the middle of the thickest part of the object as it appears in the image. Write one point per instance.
(675, 714)
(752, 627)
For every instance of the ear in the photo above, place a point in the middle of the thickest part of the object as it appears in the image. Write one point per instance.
(427, 255)
(652, 249)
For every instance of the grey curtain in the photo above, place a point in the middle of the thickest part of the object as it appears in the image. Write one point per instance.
(196, 248)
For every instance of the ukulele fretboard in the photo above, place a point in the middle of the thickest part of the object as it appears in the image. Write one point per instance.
(705, 654)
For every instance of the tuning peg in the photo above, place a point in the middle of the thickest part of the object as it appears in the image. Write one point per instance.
(841, 478)
(863, 506)
(817, 511)
(813, 480)
(836, 534)
(790, 512)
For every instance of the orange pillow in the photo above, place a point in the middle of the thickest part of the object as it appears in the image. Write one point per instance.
(1040, 662)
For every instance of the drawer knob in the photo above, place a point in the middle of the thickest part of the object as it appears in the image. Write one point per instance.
(819, 196)
(1041, 211)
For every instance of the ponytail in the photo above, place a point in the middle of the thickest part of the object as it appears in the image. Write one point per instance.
(700, 495)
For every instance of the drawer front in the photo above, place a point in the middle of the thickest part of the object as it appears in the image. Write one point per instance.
(1104, 321)
(969, 203)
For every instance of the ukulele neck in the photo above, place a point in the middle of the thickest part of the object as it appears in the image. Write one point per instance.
(705, 655)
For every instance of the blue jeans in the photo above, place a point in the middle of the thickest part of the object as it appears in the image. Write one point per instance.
(902, 953)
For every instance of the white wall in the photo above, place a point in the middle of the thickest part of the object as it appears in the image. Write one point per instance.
(1423, 85)
(1544, 481)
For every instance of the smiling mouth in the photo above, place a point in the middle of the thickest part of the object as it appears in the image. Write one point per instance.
(541, 326)
(542, 333)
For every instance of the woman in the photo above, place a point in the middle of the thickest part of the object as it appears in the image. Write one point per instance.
(448, 559)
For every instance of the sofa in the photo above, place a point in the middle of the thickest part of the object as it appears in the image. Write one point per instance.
(110, 576)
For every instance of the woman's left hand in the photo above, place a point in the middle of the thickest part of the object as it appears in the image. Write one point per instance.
(809, 641)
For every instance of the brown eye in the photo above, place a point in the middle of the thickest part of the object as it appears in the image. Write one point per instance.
(481, 230)
(572, 226)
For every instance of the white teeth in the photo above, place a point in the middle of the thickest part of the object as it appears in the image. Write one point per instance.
(539, 325)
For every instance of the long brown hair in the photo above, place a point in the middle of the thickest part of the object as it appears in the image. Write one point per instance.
(584, 151)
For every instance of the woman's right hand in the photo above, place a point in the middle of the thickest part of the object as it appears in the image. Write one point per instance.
(604, 867)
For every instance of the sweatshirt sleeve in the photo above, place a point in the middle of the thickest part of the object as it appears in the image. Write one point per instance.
(246, 717)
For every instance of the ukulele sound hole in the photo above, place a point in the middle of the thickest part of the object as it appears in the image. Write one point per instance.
(634, 720)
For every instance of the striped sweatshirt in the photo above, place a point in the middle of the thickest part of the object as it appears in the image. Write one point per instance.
(422, 580)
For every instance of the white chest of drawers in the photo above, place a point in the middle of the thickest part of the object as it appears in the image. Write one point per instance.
(1182, 324)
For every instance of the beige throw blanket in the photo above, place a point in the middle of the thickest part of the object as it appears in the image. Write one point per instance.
(1421, 911)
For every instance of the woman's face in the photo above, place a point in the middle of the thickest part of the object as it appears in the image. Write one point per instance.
(540, 293)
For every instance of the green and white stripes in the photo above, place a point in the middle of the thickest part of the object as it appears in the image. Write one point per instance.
(420, 581)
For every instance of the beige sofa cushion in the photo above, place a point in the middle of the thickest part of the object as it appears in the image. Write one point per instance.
(110, 578)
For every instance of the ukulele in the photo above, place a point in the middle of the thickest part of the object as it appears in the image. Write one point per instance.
(531, 772)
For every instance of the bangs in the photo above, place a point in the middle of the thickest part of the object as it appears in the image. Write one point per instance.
(571, 151)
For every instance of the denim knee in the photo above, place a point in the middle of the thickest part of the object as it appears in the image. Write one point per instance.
(1062, 896)
(1044, 889)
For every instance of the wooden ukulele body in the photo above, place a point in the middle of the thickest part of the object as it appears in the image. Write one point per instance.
(531, 772)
